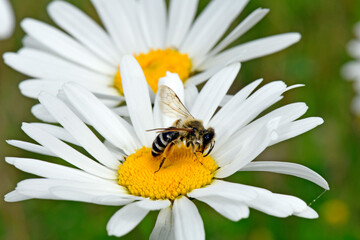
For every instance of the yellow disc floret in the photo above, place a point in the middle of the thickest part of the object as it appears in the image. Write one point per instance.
(156, 63)
(180, 173)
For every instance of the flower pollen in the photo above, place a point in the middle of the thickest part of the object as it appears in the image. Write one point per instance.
(156, 63)
(181, 173)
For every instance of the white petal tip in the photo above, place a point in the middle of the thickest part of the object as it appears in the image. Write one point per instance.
(308, 213)
(10, 160)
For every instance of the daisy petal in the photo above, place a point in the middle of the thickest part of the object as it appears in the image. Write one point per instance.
(172, 81)
(153, 22)
(102, 118)
(57, 132)
(84, 29)
(187, 220)
(241, 115)
(181, 14)
(205, 75)
(7, 19)
(213, 21)
(163, 226)
(296, 128)
(242, 28)
(137, 99)
(127, 218)
(307, 213)
(15, 196)
(232, 210)
(79, 130)
(31, 43)
(217, 87)
(40, 112)
(65, 46)
(191, 94)
(120, 20)
(235, 102)
(30, 147)
(67, 153)
(253, 49)
(43, 65)
(222, 189)
(51, 170)
(293, 169)
(250, 149)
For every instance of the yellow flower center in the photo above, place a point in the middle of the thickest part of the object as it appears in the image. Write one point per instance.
(156, 63)
(180, 173)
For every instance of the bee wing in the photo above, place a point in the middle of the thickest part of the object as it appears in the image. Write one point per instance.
(170, 104)
(172, 129)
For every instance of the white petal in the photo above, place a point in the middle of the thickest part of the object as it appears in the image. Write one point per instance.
(30, 147)
(44, 65)
(351, 70)
(235, 102)
(51, 170)
(152, 16)
(246, 112)
(181, 14)
(65, 46)
(29, 42)
(137, 99)
(127, 218)
(67, 153)
(209, 27)
(206, 74)
(69, 190)
(293, 169)
(296, 128)
(253, 49)
(226, 190)
(15, 196)
(7, 19)
(84, 29)
(269, 203)
(187, 220)
(121, 21)
(102, 118)
(213, 92)
(163, 226)
(191, 93)
(172, 81)
(307, 213)
(230, 209)
(79, 130)
(250, 149)
(57, 132)
(42, 114)
(242, 28)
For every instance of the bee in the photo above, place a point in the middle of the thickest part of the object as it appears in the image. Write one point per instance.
(186, 130)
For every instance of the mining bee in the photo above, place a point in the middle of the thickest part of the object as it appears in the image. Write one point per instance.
(186, 130)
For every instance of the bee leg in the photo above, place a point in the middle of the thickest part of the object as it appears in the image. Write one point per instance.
(166, 152)
(193, 151)
(162, 162)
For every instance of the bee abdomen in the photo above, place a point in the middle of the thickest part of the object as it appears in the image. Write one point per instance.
(161, 141)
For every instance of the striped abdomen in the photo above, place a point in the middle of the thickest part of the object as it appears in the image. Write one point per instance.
(161, 141)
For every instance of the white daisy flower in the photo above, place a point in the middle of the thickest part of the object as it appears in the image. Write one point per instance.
(351, 70)
(7, 19)
(162, 39)
(122, 170)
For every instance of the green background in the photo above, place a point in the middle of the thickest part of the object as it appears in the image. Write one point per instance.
(331, 149)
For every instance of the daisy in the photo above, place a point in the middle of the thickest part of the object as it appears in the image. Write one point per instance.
(161, 39)
(351, 70)
(7, 19)
(122, 171)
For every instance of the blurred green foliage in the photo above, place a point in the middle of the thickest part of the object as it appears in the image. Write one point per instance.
(331, 149)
